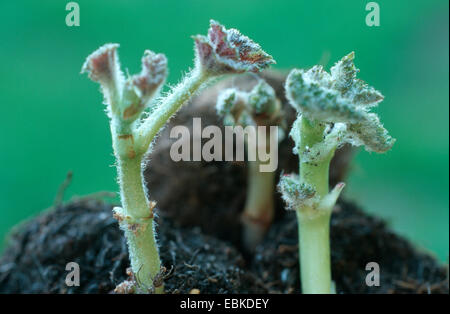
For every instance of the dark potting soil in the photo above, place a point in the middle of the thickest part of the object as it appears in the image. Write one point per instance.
(356, 240)
(198, 198)
(84, 232)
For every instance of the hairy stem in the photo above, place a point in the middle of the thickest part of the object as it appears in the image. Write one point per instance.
(313, 173)
(221, 52)
(136, 216)
(314, 223)
(136, 220)
(259, 206)
(191, 83)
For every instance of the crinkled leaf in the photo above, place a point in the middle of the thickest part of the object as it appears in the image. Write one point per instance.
(293, 192)
(371, 134)
(257, 107)
(310, 93)
(228, 51)
(340, 97)
(226, 101)
(343, 75)
(262, 98)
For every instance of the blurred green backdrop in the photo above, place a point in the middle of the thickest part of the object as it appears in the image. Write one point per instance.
(53, 120)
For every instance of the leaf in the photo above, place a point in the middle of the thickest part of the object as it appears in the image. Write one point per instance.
(294, 193)
(339, 97)
(371, 134)
(226, 51)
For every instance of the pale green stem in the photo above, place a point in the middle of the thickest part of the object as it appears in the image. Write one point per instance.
(137, 224)
(314, 223)
(136, 216)
(315, 269)
(179, 96)
(315, 174)
(259, 206)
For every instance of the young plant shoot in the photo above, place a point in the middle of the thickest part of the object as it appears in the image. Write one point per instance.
(137, 114)
(333, 109)
(257, 108)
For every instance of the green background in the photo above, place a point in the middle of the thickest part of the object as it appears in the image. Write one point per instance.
(52, 119)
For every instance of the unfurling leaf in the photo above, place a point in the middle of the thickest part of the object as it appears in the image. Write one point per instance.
(260, 106)
(371, 134)
(103, 66)
(152, 76)
(293, 192)
(141, 88)
(344, 75)
(228, 51)
(262, 99)
(311, 93)
(340, 97)
(126, 98)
